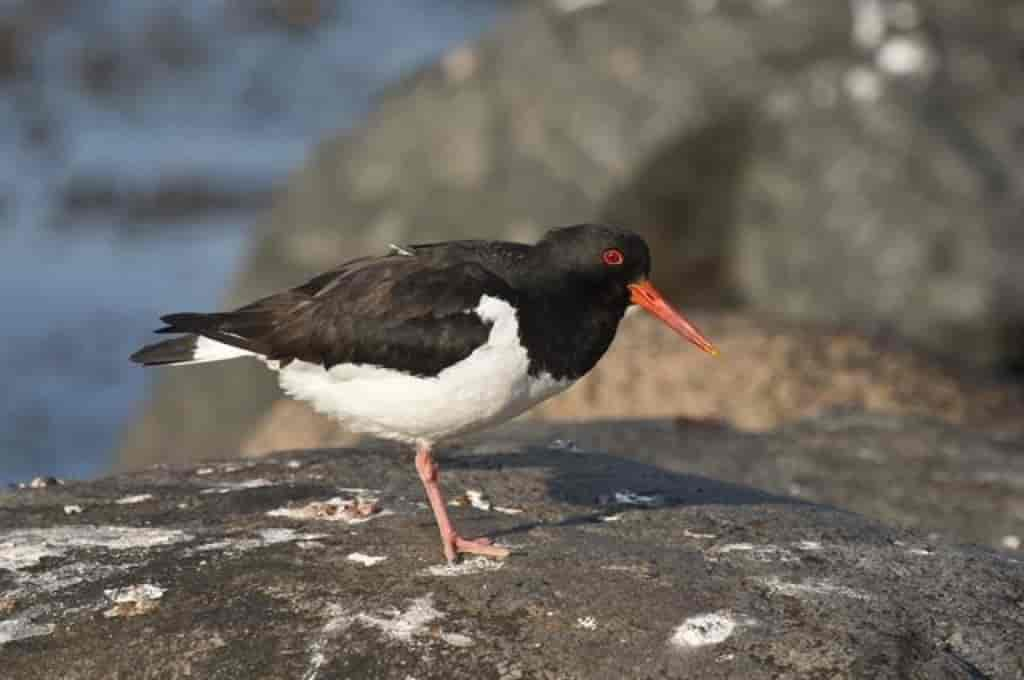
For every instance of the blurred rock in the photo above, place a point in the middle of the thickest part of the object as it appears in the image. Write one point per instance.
(899, 209)
(772, 373)
(790, 155)
(621, 569)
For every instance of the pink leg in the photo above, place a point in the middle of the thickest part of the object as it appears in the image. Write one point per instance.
(451, 541)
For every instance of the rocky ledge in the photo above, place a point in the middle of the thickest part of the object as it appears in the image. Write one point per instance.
(325, 564)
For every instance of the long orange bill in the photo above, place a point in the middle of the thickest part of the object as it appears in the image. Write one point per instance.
(645, 295)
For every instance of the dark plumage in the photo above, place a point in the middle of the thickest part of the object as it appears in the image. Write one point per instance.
(410, 312)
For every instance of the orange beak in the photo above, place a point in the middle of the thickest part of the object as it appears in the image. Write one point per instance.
(645, 295)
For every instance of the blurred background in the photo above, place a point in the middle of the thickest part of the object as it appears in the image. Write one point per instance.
(140, 142)
(835, 187)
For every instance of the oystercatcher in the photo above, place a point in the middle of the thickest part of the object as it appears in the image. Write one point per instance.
(437, 340)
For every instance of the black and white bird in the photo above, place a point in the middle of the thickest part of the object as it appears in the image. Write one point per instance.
(433, 341)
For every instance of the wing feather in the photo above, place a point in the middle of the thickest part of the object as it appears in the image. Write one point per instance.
(408, 313)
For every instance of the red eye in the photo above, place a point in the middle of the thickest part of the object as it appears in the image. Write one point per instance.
(612, 257)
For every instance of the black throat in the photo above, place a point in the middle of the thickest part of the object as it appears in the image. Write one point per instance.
(567, 328)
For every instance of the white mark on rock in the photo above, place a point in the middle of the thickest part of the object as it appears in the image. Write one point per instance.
(478, 500)
(903, 56)
(317, 659)
(275, 536)
(476, 565)
(337, 621)
(586, 623)
(1011, 542)
(348, 510)
(920, 551)
(868, 23)
(132, 500)
(809, 587)
(508, 511)
(694, 534)
(205, 471)
(570, 6)
(133, 600)
(267, 537)
(72, 509)
(65, 576)
(20, 629)
(863, 84)
(704, 629)
(627, 497)
(404, 625)
(760, 553)
(809, 546)
(228, 487)
(26, 547)
(364, 559)
(474, 498)
(610, 518)
(457, 639)
(294, 464)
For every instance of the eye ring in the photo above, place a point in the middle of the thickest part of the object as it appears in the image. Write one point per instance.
(613, 257)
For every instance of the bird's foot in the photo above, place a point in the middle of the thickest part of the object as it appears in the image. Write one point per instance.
(455, 545)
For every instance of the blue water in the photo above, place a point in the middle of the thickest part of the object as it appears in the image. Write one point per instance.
(81, 287)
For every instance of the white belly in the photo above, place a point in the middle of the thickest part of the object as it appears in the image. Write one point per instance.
(489, 386)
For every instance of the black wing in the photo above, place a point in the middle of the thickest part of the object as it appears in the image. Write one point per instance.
(411, 314)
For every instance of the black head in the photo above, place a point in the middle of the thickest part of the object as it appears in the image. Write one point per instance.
(596, 254)
(611, 268)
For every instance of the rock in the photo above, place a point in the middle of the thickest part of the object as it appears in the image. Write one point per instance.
(621, 569)
(770, 374)
(764, 149)
(948, 481)
(899, 210)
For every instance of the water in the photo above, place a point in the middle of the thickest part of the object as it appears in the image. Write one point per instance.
(139, 140)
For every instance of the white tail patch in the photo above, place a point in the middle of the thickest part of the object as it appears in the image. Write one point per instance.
(208, 350)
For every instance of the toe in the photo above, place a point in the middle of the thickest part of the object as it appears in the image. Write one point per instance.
(480, 547)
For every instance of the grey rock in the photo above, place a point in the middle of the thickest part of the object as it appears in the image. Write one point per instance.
(947, 481)
(622, 569)
(900, 211)
(783, 154)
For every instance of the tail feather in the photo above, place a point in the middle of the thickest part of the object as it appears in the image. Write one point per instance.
(175, 351)
(238, 329)
(210, 338)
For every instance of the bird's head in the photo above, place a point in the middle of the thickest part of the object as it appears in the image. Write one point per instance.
(618, 262)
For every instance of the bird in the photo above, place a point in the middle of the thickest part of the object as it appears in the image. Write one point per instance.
(432, 341)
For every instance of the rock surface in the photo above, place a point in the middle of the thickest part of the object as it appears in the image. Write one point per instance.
(819, 162)
(950, 482)
(621, 569)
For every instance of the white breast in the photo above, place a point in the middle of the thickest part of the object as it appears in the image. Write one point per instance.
(489, 386)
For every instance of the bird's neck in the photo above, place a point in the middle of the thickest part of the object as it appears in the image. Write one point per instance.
(567, 327)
